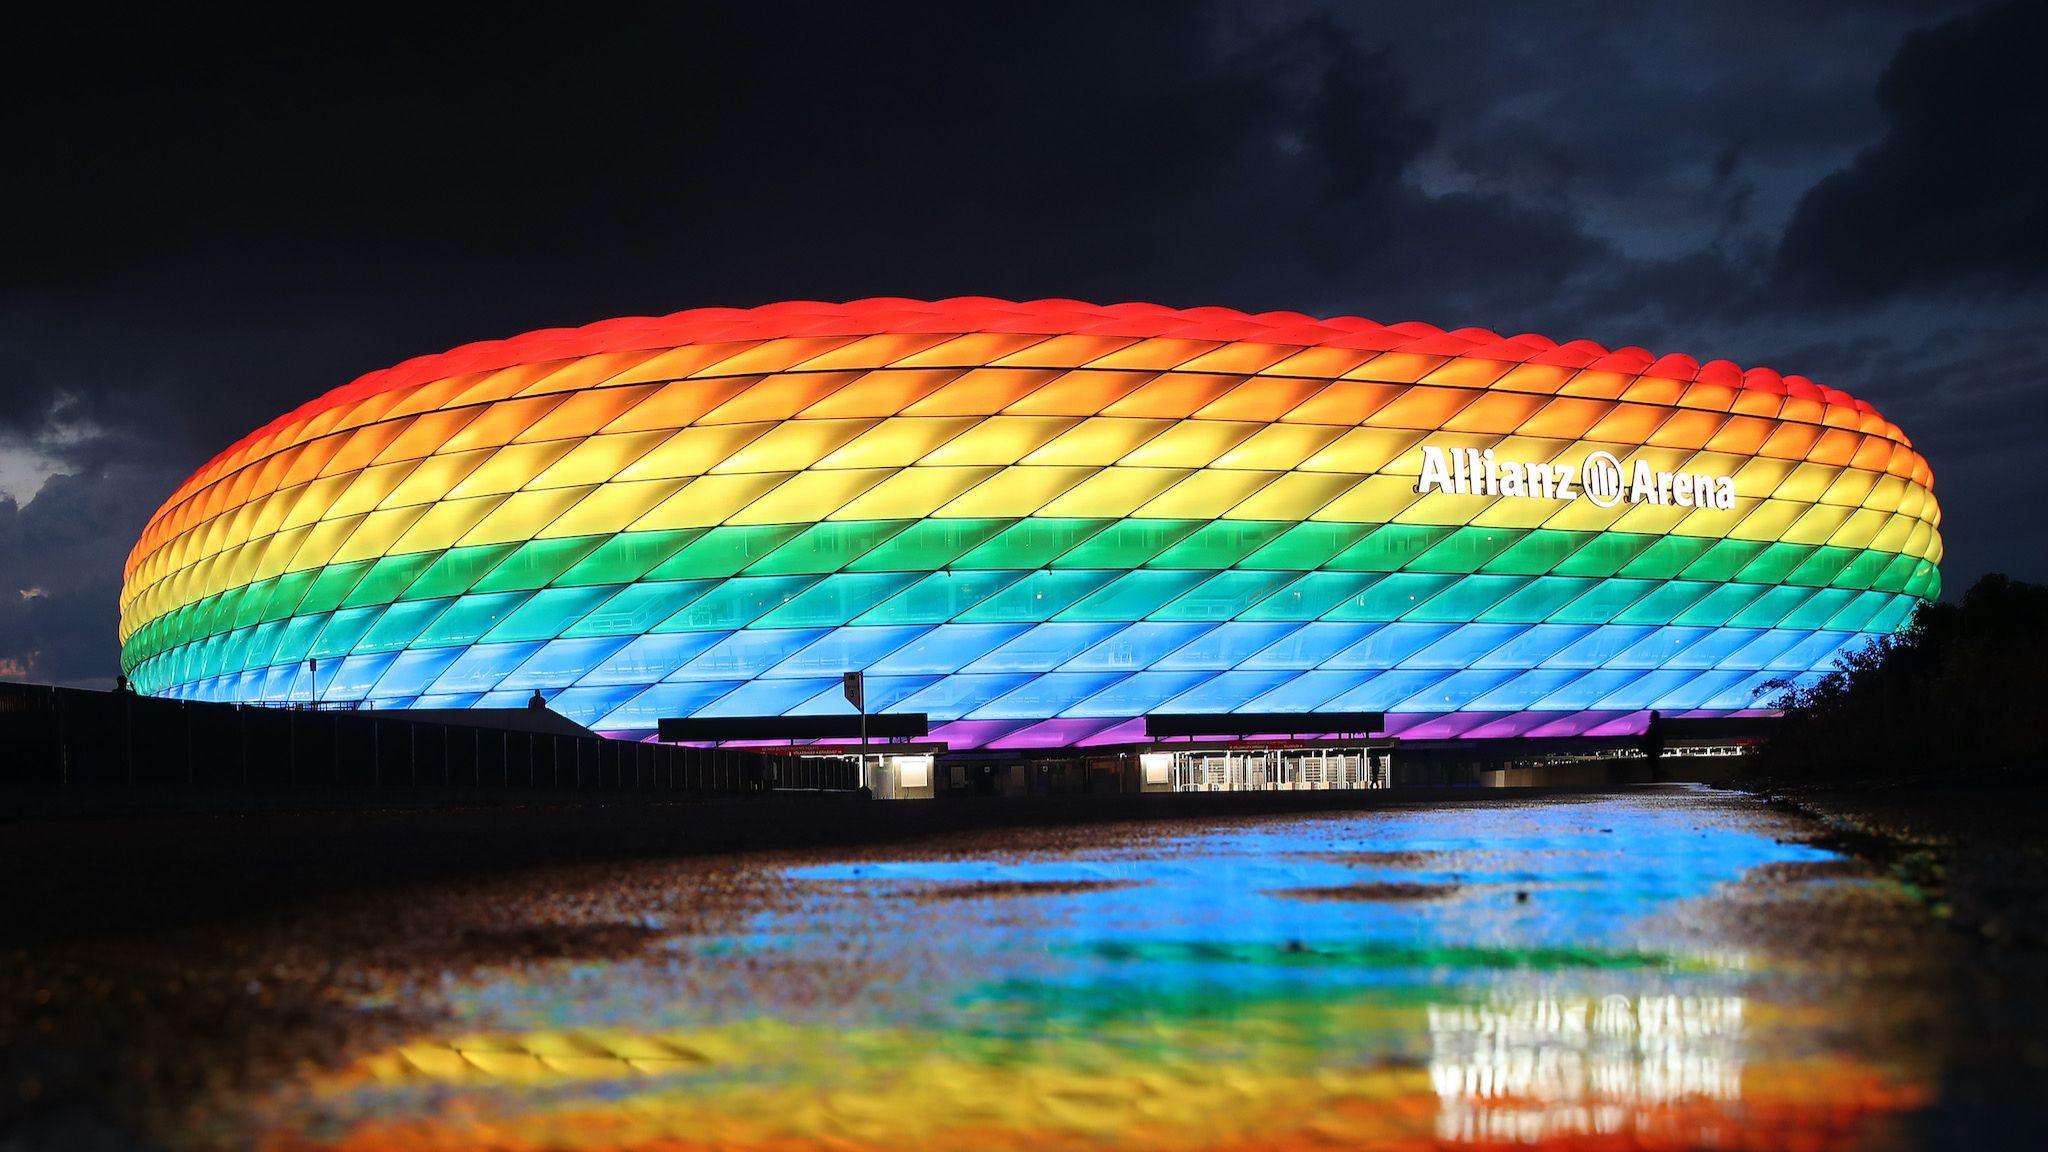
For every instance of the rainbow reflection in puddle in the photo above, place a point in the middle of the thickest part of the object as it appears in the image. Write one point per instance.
(1502, 975)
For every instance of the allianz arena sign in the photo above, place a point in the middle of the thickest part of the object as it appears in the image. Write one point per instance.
(1600, 478)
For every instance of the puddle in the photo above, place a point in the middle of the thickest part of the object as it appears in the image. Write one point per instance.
(1601, 974)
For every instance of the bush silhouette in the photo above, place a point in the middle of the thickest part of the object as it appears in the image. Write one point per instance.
(1960, 690)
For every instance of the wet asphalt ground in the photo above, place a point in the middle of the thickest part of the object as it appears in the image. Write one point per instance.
(1654, 968)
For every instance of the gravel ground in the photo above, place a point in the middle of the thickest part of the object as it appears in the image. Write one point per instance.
(1976, 854)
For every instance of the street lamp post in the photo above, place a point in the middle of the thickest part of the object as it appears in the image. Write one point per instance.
(853, 684)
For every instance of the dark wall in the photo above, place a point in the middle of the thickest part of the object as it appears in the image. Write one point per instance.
(65, 740)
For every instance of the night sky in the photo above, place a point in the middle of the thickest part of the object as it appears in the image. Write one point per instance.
(213, 218)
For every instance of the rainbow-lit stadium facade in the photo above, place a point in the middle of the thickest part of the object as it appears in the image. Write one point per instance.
(1037, 523)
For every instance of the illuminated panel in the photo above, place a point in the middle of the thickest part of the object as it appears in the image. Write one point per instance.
(1038, 522)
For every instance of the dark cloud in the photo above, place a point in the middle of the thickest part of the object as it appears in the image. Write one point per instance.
(225, 212)
(1956, 192)
(65, 573)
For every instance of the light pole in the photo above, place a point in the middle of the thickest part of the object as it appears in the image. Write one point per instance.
(855, 688)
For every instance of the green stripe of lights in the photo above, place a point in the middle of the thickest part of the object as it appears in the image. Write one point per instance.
(1094, 569)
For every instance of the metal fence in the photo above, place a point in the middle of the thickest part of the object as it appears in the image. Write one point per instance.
(64, 739)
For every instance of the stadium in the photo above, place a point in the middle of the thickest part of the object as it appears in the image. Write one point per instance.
(1038, 524)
